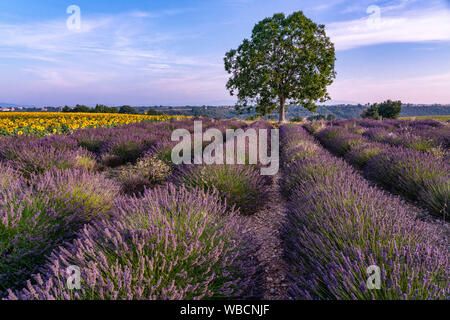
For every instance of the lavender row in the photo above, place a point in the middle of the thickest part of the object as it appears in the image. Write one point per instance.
(423, 135)
(338, 226)
(419, 176)
(169, 244)
(35, 219)
(241, 185)
(94, 148)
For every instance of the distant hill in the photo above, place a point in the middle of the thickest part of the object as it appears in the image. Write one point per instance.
(8, 105)
(13, 105)
(343, 111)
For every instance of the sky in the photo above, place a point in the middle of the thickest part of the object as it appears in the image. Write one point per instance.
(171, 52)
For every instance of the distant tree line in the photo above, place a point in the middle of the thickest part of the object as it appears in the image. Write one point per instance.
(100, 108)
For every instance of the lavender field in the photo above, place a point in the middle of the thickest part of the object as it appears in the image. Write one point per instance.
(111, 203)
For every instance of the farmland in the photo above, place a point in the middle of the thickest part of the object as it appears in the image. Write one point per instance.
(437, 117)
(44, 123)
(109, 201)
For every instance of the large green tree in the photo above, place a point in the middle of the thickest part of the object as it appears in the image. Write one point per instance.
(289, 60)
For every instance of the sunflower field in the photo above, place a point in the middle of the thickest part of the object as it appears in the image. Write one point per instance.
(45, 123)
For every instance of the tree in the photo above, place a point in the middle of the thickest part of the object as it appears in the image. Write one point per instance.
(81, 108)
(289, 60)
(100, 108)
(371, 112)
(385, 110)
(66, 109)
(153, 112)
(390, 109)
(128, 110)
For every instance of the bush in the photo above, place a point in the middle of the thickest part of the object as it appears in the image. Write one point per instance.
(241, 186)
(92, 193)
(170, 244)
(362, 155)
(339, 140)
(385, 110)
(44, 216)
(296, 119)
(7, 176)
(127, 148)
(39, 156)
(413, 174)
(337, 226)
(147, 172)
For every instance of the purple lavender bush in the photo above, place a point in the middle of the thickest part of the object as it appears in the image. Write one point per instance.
(413, 174)
(36, 219)
(36, 156)
(170, 244)
(404, 171)
(127, 147)
(360, 156)
(241, 186)
(339, 140)
(148, 172)
(337, 226)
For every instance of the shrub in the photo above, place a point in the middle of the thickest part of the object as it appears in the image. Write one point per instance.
(337, 226)
(376, 134)
(241, 186)
(339, 140)
(7, 176)
(169, 244)
(412, 173)
(147, 172)
(36, 156)
(92, 193)
(40, 218)
(314, 126)
(362, 155)
(127, 147)
(94, 140)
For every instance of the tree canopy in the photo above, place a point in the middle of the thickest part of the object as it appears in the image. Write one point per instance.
(385, 110)
(289, 60)
(128, 110)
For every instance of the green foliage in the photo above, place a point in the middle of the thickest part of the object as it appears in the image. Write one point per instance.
(385, 110)
(316, 117)
(81, 108)
(128, 110)
(147, 172)
(240, 185)
(100, 108)
(296, 119)
(289, 60)
(371, 112)
(390, 109)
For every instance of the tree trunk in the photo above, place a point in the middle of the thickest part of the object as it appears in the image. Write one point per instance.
(282, 118)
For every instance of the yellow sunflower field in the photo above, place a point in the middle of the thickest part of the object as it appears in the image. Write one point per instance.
(45, 123)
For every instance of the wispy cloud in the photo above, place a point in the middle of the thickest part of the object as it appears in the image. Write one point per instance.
(419, 89)
(110, 50)
(407, 26)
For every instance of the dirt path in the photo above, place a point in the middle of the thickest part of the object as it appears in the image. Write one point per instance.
(265, 225)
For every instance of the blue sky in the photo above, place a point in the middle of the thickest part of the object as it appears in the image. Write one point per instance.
(171, 52)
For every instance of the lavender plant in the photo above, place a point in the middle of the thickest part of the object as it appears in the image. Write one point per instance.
(170, 244)
(146, 173)
(241, 186)
(37, 219)
(36, 156)
(414, 174)
(338, 226)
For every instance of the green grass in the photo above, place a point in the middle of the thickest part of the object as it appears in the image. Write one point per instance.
(439, 118)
